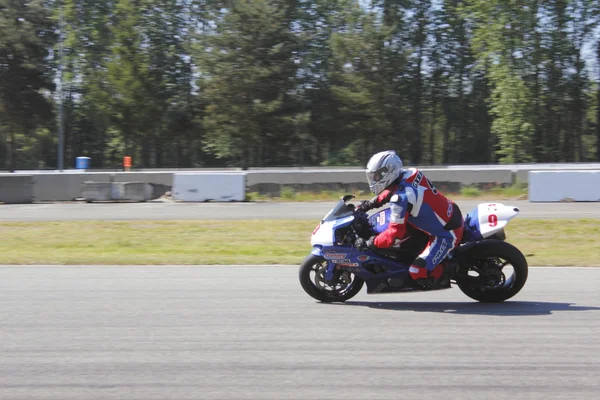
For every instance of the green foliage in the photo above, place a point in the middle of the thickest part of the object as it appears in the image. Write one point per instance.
(513, 126)
(356, 86)
(26, 36)
(288, 193)
(347, 156)
(253, 196)
(470, 191)
(249, 71)
(518, 190)
(532, 56)
(300, 82)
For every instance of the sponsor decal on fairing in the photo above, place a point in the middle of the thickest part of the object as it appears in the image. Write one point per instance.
(348, 265)
(341, 261)
(335, 255)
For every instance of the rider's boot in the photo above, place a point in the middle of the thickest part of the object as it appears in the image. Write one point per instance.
(434, 279)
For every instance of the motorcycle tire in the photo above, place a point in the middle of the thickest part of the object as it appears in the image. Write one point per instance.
(492, 249)
(311, 288)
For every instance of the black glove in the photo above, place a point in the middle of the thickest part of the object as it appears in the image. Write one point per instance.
(362, 244)
(366, 205)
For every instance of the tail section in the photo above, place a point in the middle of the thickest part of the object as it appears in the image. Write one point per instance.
(487, 220)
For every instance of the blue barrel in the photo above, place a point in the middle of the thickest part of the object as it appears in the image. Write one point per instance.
(82, 162)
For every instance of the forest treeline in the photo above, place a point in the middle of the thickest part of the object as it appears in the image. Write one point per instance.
(200, 83)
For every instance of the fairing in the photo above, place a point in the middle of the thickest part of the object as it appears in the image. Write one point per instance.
(324, 234)
(380, 220)
(379, 271)
(487, 219)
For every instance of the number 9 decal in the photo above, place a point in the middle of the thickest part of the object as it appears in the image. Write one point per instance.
(493, 220)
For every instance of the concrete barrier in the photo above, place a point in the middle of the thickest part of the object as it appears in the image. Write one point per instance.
(156, 178)
(555, 186)
(16, 189)
(96, 191)
(132, 191)
(160, 182)
(470, 177)
(116, 191)
(66, 186)
(271, 182)
(198, 187)
(522, 174)
(63, 186)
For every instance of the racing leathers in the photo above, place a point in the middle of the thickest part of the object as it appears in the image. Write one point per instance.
(415, 201)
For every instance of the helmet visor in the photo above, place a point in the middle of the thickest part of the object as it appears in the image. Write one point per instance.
(375, 176)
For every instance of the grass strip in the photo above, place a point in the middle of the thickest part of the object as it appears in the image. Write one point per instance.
(551, 242)
(517, 191)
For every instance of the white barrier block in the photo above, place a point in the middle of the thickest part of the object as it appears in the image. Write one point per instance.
(198, 186)
(557, 186)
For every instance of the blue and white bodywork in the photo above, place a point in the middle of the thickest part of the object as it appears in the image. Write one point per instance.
(381, 273)
(487, 220)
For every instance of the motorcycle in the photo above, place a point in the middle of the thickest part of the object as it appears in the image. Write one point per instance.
(484, 266)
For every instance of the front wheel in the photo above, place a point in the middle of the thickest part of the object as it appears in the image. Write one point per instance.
(492, 271)
(326, 285)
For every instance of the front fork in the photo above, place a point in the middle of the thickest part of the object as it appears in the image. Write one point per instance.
(330, 273)
(331, 267)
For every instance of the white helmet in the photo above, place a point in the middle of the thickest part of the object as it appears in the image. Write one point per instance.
(382, 170)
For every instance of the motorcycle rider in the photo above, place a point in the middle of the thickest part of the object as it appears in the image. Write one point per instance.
(413, 200)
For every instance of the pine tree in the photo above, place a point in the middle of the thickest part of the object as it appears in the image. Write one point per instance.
(26, 36)
(249, 67)
(499, 35)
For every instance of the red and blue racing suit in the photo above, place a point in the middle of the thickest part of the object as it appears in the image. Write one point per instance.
(415, 201)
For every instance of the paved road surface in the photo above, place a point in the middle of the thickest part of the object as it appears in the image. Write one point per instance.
(187, 211)
(251, 333)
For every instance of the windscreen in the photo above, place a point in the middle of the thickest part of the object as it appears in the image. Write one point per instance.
(340, 210)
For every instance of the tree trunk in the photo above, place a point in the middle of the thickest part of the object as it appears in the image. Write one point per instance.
(462, 131)
(446, 139)
(598, 108)
(101, 146)
(126, 136)
(538, 138)
(158, 151)
(567, 134)
(562, 128)
(416, 156)
(432, 130)
(598, 117)
(578, 111)
(146, 146)
(11, 150)
(4, 150)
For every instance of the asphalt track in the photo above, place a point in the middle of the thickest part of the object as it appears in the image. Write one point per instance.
(252, 333)
(228, 211)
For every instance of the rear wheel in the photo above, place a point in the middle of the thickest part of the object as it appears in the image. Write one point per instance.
(326, 284)
(492, 271)
(501, 235)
